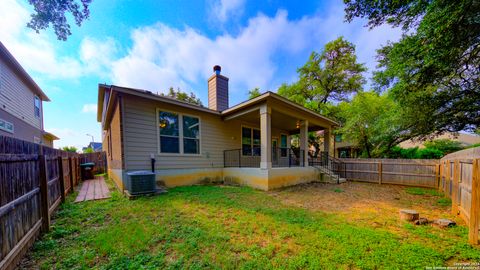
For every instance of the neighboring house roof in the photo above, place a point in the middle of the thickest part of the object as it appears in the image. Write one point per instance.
(95, 146)
(465, 139)
(50, 136)
(18, 69)
(231, 110)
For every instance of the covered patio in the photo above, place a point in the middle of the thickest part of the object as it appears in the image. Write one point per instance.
(268, 124)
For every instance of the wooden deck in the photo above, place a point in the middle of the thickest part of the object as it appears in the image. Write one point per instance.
(93, 189)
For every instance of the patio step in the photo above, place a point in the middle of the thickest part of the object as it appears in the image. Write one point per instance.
(332, 177)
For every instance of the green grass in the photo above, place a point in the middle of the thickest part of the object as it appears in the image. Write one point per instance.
(423, 191)
(213, 227)
(444, 202)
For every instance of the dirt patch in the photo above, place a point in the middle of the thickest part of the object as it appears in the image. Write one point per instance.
(376, 204)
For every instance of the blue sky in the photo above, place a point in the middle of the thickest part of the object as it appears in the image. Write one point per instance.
(157, 44)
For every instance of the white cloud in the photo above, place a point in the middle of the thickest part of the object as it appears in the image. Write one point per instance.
(223, 10)
(36, 52)
(89, 108)
(162, 56)
(97, 55)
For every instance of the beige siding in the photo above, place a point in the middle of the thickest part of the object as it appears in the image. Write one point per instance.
(114, 134)
(140, 137)
(16, 97)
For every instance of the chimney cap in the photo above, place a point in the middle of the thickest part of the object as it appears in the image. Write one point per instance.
(217, 69)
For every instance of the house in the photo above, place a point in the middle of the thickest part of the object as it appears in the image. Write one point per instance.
(346, 149)
(95, 146)
(21, 108)
(248, 143)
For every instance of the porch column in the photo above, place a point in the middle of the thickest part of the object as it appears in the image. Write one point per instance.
(304, 141)
(328, 142)
(265, 137)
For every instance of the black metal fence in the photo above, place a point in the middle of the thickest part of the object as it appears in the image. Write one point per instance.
(281, 157)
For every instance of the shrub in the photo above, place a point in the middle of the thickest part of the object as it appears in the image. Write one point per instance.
(429, 153)
(446, 146)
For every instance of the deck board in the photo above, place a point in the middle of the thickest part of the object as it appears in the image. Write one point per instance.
(93, 189)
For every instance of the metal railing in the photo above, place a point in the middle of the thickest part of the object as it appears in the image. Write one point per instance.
(329, 163)
(281, 157)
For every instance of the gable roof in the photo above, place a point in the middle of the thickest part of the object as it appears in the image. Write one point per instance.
(18, 69)
(149, 95)
(279, 98)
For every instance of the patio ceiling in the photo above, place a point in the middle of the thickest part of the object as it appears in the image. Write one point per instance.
(280, 120)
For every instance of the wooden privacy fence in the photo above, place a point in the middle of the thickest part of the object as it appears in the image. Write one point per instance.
(99, 158)
(460, 181)
(34, 181)
(410, 172)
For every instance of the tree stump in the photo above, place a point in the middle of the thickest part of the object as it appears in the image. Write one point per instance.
(409, 215)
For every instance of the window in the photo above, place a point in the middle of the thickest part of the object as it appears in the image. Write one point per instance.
(169, 132)
(37, 105)
(179, 134)
(283, 145)
(6, 126)
(250, 142)
(191, 135)
(338, 138)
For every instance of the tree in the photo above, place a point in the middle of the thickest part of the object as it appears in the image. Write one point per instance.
(88, 150)
(330, 76)
(255, 92)
(72, 149)
(55, 12)
(432, 71)
(182, 96)
(372, 122)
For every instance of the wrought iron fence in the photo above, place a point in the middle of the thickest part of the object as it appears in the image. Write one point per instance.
(281, 157)
(326, 161)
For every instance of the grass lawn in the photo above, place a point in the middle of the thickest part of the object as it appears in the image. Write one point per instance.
(349, 226)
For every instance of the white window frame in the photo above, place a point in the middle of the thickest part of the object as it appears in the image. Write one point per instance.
(180, 133)
(35, 98)
(4, 128)
(251, 137)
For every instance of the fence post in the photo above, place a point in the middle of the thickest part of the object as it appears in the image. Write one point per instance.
(447, 178)
(44, 194)
(70, 167)
(380, 176)
(456, 174)
(474, 221)
(437, 175)
(60, 178)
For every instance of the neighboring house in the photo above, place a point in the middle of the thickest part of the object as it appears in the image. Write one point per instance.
(48, 139)
(96, 146)
(466, 139)
(248, 143)
(346, 149)
(21, 108)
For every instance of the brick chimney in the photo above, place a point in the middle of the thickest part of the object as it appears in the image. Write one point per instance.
(217, 90)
